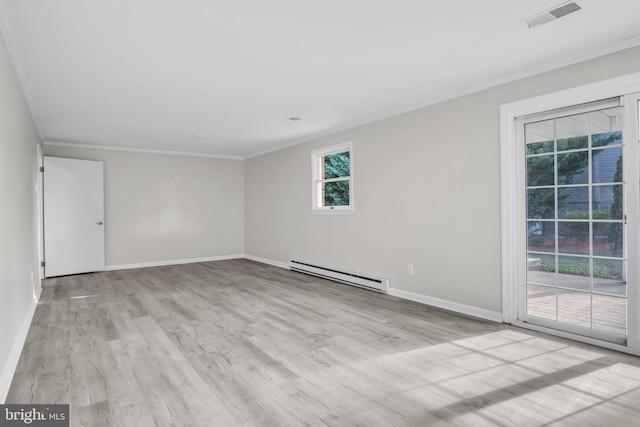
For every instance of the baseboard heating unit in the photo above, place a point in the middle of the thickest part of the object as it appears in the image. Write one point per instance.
(373, 283)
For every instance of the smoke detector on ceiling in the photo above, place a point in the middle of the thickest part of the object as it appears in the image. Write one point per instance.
(551, 15)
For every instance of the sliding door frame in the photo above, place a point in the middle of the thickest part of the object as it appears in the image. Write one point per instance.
(513, 200)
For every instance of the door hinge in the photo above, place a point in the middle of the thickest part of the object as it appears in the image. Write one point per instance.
(41, 168)
(41, 263)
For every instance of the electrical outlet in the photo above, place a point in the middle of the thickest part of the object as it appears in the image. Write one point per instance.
(410, 268)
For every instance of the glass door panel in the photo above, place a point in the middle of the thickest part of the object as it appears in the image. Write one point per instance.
(576, 254)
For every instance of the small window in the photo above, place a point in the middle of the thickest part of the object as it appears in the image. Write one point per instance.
(332, 169)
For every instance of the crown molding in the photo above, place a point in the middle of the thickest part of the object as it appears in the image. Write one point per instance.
(137, 150)
(13, 46)
(564, 62)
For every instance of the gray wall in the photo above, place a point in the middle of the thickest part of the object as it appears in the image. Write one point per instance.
(18, 218)
(427, 193)
(165, 208)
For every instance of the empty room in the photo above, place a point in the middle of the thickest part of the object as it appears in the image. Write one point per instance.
(340, 213)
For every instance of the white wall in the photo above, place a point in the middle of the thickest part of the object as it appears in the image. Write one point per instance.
(18, 219)
(166, 208)
(427, 193)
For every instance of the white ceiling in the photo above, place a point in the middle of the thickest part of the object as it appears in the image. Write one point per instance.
(151, 74)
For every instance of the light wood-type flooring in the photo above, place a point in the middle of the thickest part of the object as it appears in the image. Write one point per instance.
(241, 343)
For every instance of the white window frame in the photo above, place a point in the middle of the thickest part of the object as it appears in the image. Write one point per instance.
(513, 199)
(316, 179)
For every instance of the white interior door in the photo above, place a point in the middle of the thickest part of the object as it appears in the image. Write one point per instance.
(73, 216)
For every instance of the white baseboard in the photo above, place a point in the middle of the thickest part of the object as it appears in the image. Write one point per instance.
(268, 261)
(494, 316)
(14, 357)
(171, 262)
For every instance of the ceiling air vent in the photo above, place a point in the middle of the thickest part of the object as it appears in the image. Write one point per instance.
(552, 14)
(564, 10)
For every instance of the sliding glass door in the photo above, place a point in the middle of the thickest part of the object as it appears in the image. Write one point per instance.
(576, 220)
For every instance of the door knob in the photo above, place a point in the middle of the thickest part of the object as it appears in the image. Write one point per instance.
(99, 223)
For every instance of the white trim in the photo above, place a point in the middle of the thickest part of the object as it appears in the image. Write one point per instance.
(14, 357)
(337, 148)
(469, 310)
(564, 62)
(16, 55)
(481, 313)
(631, 139)
(40, 208)
(315, 173)
(268, 261)
(508, 212)
(194, 260)
(342, 211)
(604, 89)
(579, 338)
(49, 143)
(6, 26)
(512, 176)
(170, 262)
(13, 46)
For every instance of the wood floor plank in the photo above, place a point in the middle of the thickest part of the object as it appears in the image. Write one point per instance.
(241, 343)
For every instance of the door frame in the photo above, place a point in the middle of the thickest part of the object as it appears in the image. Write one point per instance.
(40, 196)
(513, 202)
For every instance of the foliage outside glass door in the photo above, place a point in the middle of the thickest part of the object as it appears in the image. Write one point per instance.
(576, 265)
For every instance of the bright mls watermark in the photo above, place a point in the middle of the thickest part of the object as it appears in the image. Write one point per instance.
(34, 415)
